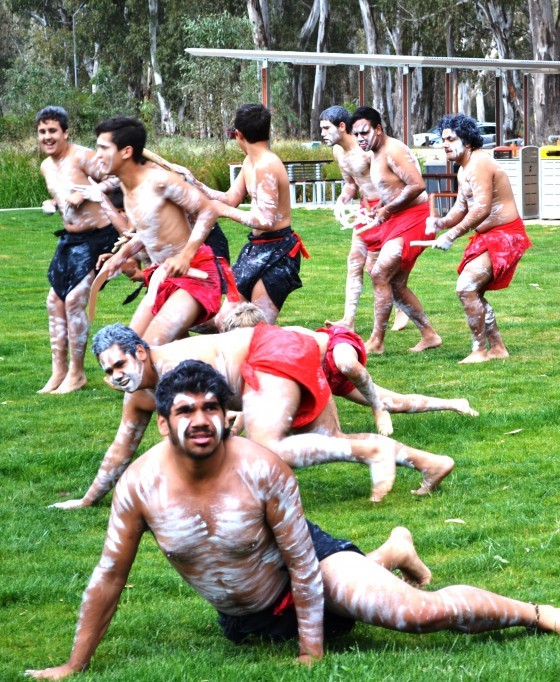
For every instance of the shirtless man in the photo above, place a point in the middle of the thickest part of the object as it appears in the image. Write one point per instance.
(87, 233)
(401, 217)
(171, 220)
(277, 381)
(227, 515)
(267, 269)
(354, 165)
(343, 359)
(485, 204)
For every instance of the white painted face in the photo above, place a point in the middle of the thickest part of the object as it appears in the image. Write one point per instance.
(366, 135)
(106, 152)
(52, 139)
(196, 424)
(124, 371)
(453, 146)
(330, 133)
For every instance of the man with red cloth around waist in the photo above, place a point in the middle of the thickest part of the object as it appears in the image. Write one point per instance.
(485, 204)
(400, 217)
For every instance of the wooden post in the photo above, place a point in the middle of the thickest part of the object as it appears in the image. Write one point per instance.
(361, 86)
(265, 89)
(526, 116)
(498, 97)
(406, 104)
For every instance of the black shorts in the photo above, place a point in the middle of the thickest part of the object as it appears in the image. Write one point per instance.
(76, 256)
(281, 627)
(267, 258)
(218, 242)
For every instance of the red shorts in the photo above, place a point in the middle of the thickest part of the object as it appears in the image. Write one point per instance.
(505, 245)
(293, 356)
(338, 383)
(207, 292)
(409, 225)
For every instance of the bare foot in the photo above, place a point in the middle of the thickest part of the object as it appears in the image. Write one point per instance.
(383, 423)
(400, 322)
(383, 471)
(461, 406)
(431, 341)
(475, 357)
(549, 618)
(340, 323)
(374, 346)
(497, 353)
(434, 474)
(53, 383)
(70, 384)
(399, 553)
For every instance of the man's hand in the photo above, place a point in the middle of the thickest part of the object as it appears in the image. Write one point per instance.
(443, 242)
(383, 422)
(178, 266)
(185, 172)
(69, 504)
(75, 200)
(433, 226)
(57, 673)
(91, 192)
(49, 207)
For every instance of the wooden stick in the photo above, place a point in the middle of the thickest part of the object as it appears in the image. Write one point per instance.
(426, 242)
(103, 276)
(160, 161)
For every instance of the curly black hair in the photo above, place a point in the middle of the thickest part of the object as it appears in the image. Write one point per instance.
(466, 128)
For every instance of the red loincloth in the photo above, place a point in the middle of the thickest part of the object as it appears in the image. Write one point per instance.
(372, 236)
(293, 356)
(505, 245)
(410, 225)
(207, 292)
(338, 383)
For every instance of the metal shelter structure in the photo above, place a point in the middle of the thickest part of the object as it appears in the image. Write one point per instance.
(404, 62)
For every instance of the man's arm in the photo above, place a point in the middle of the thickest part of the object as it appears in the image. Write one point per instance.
(100, 600)
(233, 197)
(134, 421)
(284, 515)
(346, 359)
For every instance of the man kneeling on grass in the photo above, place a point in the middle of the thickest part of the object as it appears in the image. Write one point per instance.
(227, 514)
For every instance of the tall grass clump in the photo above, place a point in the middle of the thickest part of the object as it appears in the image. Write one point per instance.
(21, 182)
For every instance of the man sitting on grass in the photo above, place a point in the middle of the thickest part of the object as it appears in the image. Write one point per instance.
(227, 515)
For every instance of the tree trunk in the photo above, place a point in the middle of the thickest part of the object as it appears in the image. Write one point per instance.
(258, 16)
(546, 88)
(320, 71)
(166, 117)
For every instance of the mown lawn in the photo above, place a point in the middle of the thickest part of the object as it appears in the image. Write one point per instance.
(504, 488)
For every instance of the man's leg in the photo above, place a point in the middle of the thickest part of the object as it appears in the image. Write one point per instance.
(173, 320)
(471, 285)
(358, 587)
(413, 403)
(409, 302)
(78, 330)
(58, 335)
(356, 262)
(262, 300)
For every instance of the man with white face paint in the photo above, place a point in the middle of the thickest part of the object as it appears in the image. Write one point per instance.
(87, 234)
(228, 517)
(267, 268)
(171, 220)
(400, 217)
(279, 386)
(485, 204)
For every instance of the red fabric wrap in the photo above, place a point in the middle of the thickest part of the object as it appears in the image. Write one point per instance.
(296, 248)
(505, 245)
(287, 602)
(372, 236)
(410, 225)
(232, 294)
(338, 383)
(207, 292)
(285, 353)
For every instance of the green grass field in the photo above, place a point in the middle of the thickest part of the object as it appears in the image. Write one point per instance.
(504, 488)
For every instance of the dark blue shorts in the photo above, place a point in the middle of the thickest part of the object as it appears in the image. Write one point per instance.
(267, 625)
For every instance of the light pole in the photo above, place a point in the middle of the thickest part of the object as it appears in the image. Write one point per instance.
(80, 8)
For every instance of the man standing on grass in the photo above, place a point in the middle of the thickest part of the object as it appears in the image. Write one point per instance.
(227, 515)
(267, 269)
(485, 204)
(354, 164)
(87, 234)
(400, 217)
(279, 385)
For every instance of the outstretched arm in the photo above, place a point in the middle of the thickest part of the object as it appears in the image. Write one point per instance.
(134, 421)
(106, 584)
(263, 214)
(346, 359)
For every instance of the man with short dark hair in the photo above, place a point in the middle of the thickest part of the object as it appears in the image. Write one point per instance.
(485, 204)
(87, 234)
(267, 269)
(399, 218)
(227, 515)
